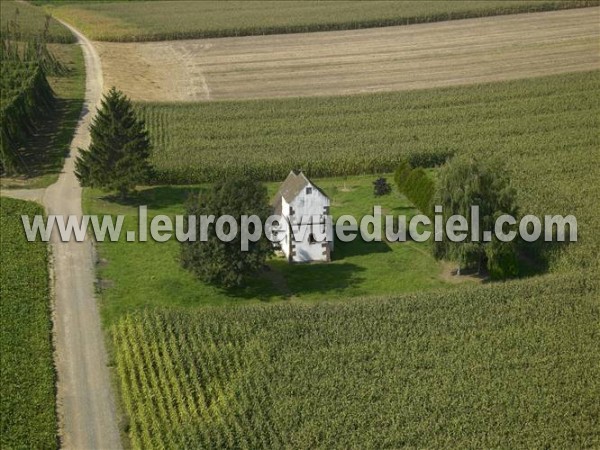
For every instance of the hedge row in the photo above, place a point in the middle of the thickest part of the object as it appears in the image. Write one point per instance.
(20, 115)
(415, 185)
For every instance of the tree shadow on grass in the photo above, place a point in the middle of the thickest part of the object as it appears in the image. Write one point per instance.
(156, 197)
(357, 247)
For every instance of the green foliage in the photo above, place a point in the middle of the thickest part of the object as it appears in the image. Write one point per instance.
(27, 378)
(440, 369)
(416, 185)
(381, 187)
(166, 20)
(117, 158)
(26, 99)
(465, 182)
(545, 129)
(502, 262)
(419, 189)
(401, 174)
(224, 263)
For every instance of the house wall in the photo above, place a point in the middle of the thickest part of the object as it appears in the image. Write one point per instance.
(311, 204)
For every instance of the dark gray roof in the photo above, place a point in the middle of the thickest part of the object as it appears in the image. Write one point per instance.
(290, 188)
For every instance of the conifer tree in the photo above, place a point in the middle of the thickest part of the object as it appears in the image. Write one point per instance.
(117, 158)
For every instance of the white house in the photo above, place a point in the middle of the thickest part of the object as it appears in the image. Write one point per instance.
(304, 209)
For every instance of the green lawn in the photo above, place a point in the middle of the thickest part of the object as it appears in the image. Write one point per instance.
(508, 365)
(140, 274)
(27, 377)
(165, 20)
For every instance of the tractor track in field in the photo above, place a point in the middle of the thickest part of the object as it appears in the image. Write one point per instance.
(385, 59)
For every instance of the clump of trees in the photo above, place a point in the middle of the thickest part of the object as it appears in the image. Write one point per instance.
(466, 181)
(27, 98)
(381, 187)
(117, 158)
(225, 263)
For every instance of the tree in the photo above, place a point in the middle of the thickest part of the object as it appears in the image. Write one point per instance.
(224, 263)
(117, 158)
(381, 187)
(466, 181)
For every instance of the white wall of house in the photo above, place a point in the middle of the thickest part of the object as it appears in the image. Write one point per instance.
(310, 202)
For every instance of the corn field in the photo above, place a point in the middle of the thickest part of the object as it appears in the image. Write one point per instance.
(27, 407)
(168, 20)
(450, 369)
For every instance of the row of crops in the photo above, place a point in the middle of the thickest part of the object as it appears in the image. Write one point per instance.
(27, 378)
(198, 142)
(155, 21)
(481, 367)
(27, 21)
(27, 98)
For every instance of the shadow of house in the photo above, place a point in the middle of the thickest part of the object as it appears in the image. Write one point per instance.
(358, 247)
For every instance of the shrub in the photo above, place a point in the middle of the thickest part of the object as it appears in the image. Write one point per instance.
(381, 187)
(416, 185)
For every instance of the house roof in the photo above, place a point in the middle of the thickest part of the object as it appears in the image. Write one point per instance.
(291, 187)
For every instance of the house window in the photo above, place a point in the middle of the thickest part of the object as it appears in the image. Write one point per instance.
(308, 190)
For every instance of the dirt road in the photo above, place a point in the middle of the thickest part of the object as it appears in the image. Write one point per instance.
(346, 62)
(85, 402)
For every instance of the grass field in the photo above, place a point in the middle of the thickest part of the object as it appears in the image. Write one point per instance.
(147, 21)
(138, 275)
(30, 21)
(27, 405)
(508, 365)
(441, 54)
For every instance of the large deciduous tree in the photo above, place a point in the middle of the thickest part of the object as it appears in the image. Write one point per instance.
(466, 181)
(225, 263)
(117, 158)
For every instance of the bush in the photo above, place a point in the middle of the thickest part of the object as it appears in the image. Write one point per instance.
(381, 187)
(416, 186)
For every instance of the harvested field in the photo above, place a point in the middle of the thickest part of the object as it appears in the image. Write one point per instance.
(348, 62)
